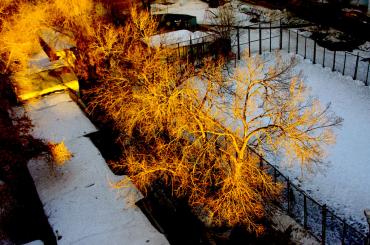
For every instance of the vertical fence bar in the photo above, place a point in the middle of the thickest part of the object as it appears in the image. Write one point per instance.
(367, 74)
(305, 47)
(314, 51)
(356, 67)
(261, 162)
(304, 211)
(288, 194)
(238, 39)
(344, 232)
(260, 38)
(344, 63)
(281, 36)
(270, 37)
(203, 49)
(235, 61)
(191, 49)
(296, 44)
(249, 42)
(275, 175)
(197, 52)
(323, 227)
(335, 53)
(288, 41)
(323, 58)
(178, 49)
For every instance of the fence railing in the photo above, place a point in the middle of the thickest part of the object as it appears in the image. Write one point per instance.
(323, 223)
(318, 218)
(270, 36)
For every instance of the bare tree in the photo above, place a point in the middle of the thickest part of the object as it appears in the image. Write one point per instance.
(203, 133)
(222, 22)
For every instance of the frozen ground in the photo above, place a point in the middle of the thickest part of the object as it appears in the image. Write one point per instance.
(180, 38)
(343, 184)
(78, 198)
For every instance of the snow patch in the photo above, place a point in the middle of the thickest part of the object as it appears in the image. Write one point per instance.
(182, 37)
(79, 198)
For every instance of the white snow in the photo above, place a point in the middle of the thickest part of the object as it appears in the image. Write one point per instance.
(78, 198)
(36, 242)
(181, 37)
(345, 183)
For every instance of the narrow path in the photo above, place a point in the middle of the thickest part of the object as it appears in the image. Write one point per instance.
(78, 198)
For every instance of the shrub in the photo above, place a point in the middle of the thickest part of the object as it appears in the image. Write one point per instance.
(59, 153)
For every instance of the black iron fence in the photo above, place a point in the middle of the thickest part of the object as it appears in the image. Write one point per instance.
(313, 216)
(270, 36)
(266, 37)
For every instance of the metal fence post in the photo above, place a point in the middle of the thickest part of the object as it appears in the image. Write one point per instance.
(304, 211)
(367, 74)
(344, 232)
(260, 38)
(235, 61)
(356, 67)
(335, 53)
(288, 194)
(344, 63)
(178, 49)
(249, 42)
(238, 36)
(305, 47)
(296, 45)
(275, 175)
(288, 41)
(314, 51)
(281, 36)
(270, 36)
(323, 58)
(191, 48)
(323, 228)
(203, 49)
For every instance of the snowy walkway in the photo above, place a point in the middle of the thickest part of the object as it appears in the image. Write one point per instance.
(81, 205)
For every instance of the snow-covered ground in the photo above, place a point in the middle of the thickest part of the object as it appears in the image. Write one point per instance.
(343, 184)
(78, 198)
(180, 37)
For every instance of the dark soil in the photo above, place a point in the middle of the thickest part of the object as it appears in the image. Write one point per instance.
(173, 217)
(22, 218)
